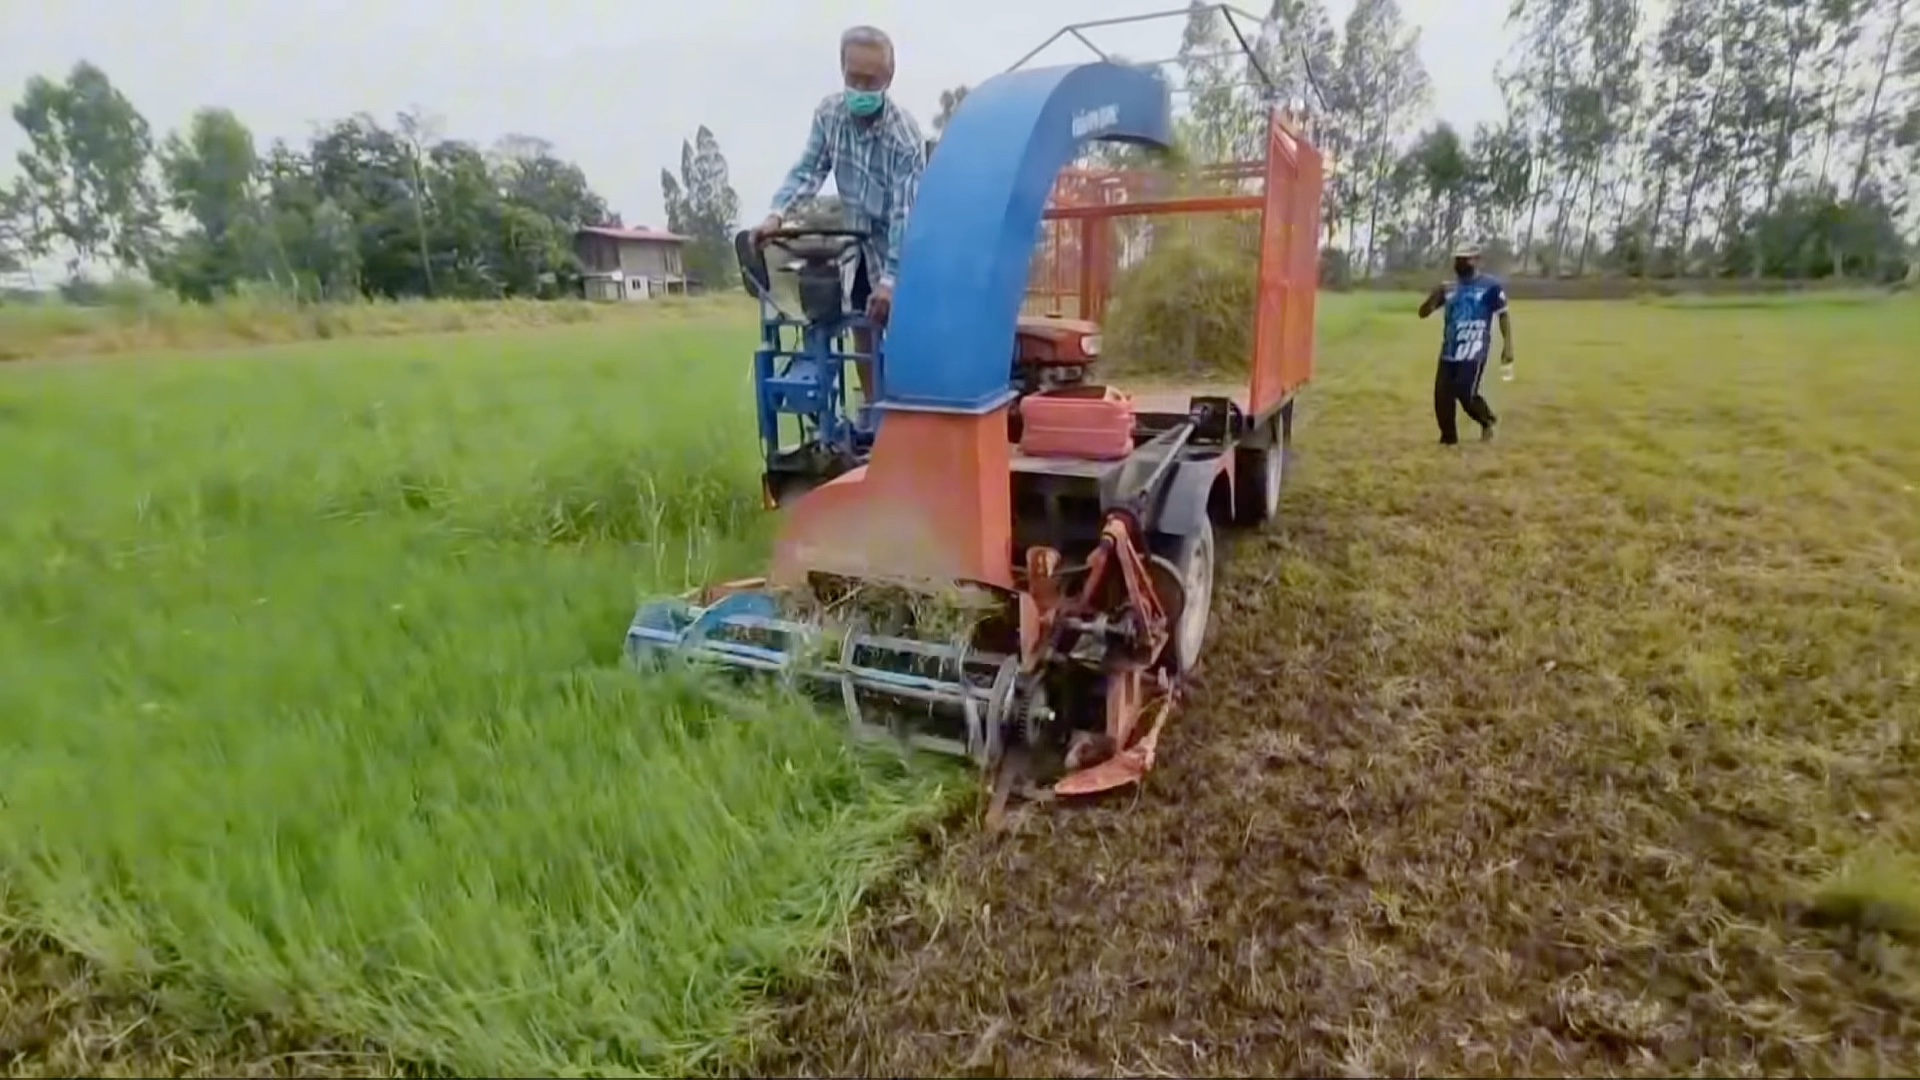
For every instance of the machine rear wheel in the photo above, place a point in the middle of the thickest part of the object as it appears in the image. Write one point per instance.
(1190, 564)
(1259, 475)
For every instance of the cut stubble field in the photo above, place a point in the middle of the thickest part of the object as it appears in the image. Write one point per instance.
(1591, 750)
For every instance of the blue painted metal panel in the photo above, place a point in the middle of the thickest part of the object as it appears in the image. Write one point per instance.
(810, 381)
(970, 239)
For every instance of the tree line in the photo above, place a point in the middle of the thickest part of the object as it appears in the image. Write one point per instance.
(1728, 138)
(364, 208)
(1732, 138)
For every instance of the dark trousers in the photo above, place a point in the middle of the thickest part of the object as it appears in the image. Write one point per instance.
(862, 289)
(1458, 381)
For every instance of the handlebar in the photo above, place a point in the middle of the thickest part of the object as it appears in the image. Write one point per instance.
(810, 243)
(813, 246)
(801, 232)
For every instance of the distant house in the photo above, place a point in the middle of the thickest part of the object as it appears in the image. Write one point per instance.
(629, 264)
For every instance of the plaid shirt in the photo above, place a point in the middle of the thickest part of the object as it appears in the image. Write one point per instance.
(877, 168)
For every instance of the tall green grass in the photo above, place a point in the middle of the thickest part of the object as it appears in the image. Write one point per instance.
(129, 317)
(311, 705)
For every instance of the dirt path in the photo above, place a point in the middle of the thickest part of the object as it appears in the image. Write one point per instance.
(1449, 799)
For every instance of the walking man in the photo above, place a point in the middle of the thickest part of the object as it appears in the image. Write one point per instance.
(1472, 302)
(875, 152)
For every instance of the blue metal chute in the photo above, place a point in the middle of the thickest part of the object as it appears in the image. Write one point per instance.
(969, 242)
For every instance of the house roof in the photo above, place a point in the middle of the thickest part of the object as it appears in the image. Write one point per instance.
(654, 235)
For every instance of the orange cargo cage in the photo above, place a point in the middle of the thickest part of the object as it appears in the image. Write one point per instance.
(1100, 221)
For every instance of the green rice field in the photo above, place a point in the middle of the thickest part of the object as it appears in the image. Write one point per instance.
(320, 758)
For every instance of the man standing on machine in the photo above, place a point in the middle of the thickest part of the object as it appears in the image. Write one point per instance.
(875, 153)
(1472, 301)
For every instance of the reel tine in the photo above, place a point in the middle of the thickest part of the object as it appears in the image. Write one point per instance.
(874, 677)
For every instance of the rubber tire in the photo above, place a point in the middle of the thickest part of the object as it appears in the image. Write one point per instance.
(1194, 560)
(1259, 476)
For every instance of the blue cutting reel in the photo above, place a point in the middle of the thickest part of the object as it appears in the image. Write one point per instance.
(948, 698)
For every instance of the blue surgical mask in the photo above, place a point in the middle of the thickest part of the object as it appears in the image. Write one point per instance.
(864, 103)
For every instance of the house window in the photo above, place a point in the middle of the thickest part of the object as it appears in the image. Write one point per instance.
(673, 260)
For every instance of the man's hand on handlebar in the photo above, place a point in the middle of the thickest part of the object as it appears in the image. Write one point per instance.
(879, 301)
(880, 304)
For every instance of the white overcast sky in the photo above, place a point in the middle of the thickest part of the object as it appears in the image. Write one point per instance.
(615, 84)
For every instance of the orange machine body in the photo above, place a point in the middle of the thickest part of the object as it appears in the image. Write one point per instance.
(945, 496)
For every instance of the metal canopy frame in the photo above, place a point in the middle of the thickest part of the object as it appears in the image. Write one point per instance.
(1232, 13)
(1229, 11)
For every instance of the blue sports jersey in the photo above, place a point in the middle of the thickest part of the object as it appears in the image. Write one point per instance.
(1471, 307)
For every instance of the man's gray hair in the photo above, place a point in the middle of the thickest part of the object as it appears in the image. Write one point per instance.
(866, 35)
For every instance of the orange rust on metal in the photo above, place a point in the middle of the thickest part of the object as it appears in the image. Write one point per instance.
(1139, 584)
(1125, 690)
(1042, 564)
(932, 504)
(1117, 546)
(1131, 683)
(1091, 305)
(1198, 204)
(1039, 601)
(1289, 269)
(1129, 691)
(1034, 629)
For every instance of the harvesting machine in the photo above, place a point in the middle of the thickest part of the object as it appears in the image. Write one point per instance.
(1076, 520)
